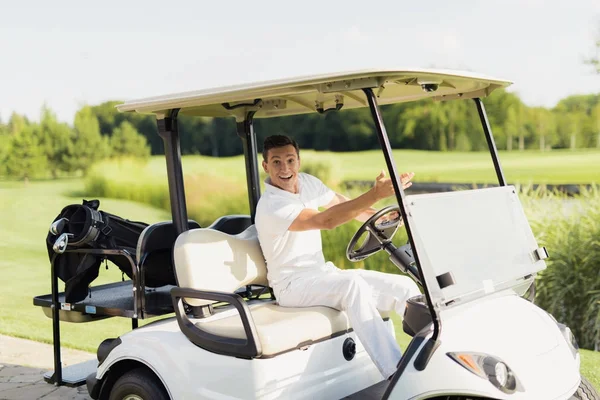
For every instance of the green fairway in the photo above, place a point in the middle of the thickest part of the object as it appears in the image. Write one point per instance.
(26, 211)
(552, 167)
(558, 166)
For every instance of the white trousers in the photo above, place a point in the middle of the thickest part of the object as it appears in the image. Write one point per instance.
(361, 294)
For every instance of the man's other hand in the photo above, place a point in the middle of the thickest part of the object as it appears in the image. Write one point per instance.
(384, 188)
(405, 179)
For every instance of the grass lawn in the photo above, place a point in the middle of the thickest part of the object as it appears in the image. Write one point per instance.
(558, 166)
(26, 211)
(552, 167)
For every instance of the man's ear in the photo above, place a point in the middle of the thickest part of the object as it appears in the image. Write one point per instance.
(264, 165)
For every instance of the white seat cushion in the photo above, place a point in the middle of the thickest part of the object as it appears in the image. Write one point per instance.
(210, 260)
(281, 328)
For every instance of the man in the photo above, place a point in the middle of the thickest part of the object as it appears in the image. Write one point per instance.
(289, 222)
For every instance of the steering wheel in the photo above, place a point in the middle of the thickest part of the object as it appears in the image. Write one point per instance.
(378, 234)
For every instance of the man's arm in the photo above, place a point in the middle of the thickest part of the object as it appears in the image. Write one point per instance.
(340, 198)
(340, 213)
(335, 216)
(365, 215)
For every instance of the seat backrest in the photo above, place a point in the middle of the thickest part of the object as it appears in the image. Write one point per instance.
(231, 224)
(206, 259)
(153, 253)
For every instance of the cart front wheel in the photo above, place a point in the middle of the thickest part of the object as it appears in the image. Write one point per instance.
(585, 391)
(138, 384)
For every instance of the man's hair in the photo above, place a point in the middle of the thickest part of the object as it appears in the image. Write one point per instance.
(275, 141)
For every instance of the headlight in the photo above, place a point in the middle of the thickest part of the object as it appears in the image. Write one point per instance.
(568, 335)
(501, 373)
(490, 368)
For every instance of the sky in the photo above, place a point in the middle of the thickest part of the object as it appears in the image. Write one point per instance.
(66, 54)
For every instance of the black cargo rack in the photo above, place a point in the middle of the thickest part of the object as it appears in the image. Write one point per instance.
(110, 300)
(129, 299)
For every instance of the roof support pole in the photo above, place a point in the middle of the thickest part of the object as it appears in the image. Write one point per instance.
(167, 129)
(400, 196)
(490, 141)
(245, 130)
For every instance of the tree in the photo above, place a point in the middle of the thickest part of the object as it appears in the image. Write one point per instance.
(544, 126)
(522, 114)
(4, 146)
(25, 158)
(502, 109)
(457, 116)
(595, 116)
(16, 123)
(595, 61)
(126, 141)
(109, 118)
(87, 145)
(569, 128)
(54, 139)
(511, 126)
(4, 143)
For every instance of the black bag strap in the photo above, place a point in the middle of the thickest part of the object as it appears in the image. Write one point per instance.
(94, 204)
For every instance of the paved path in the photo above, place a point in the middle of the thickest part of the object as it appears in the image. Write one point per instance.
(23, 364)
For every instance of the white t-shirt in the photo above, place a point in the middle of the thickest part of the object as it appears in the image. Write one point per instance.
(285, 251)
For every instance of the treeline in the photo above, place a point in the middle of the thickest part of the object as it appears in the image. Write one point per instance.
(51, 148)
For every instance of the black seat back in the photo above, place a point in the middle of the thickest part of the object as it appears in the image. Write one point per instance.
(155, 253)
(155, 247)
(232, 224)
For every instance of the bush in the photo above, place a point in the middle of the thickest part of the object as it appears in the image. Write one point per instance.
(569, 288)
(125, 179)
(326, 170)
(210, 197)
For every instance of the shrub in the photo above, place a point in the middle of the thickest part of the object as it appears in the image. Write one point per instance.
(210, 197)
(207, 196)
(326, 170)
(125, 179)
(569, 288)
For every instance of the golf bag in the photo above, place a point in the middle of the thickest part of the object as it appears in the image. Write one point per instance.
(89, 228)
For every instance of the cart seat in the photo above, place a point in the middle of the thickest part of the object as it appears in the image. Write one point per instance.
(209, 260)
(281, 328)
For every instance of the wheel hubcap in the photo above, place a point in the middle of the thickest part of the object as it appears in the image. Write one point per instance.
(132, 397)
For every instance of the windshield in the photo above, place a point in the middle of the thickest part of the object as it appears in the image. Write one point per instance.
(478, 239)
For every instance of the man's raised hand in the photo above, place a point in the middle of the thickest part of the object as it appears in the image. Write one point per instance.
(405, 179)
(383, 186)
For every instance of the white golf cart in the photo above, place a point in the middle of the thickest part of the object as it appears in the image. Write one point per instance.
(472, 252)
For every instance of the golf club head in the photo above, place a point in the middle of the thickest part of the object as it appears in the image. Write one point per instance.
(61, 243)
(58, 225)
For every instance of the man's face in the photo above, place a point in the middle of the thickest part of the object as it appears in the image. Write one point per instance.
(282, 166)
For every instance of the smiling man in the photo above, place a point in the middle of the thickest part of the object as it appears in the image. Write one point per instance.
(289, 226)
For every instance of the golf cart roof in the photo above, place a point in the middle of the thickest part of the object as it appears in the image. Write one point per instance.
(317, 93)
